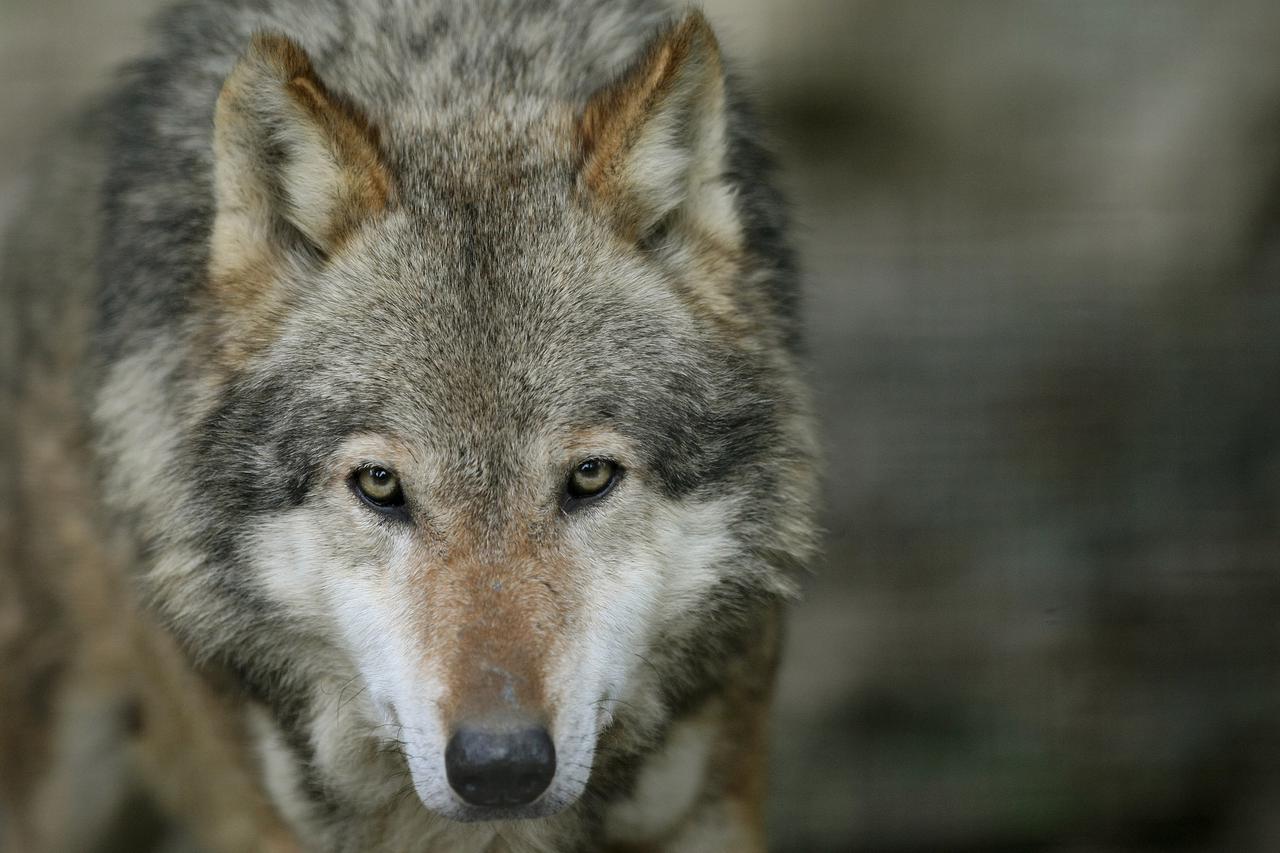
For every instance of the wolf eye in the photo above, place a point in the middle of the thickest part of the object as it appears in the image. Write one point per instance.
(378, 486)
(591, 479)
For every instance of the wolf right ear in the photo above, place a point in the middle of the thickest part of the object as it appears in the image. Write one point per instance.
(289, 155)
(654, 141)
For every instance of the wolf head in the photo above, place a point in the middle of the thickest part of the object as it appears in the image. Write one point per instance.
(496, 437)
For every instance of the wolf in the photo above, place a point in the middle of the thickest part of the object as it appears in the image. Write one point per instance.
(410, 443)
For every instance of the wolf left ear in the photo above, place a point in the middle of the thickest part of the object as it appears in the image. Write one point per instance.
(654, 142)
(290, 159)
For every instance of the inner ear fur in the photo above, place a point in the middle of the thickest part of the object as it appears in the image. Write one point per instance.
(289, 154)
(653, 141)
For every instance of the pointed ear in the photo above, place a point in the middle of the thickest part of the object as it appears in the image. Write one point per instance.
(290, 159)
(654, 141)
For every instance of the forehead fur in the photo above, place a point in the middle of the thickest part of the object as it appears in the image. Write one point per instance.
(505, 311)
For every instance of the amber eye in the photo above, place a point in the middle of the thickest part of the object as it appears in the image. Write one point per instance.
(591, 479)
(378, 486)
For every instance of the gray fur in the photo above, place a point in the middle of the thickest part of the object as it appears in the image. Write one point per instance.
(490, 308)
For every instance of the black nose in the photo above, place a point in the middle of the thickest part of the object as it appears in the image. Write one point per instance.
(503, 765)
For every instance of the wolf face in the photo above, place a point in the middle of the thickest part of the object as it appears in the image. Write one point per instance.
(494, 442)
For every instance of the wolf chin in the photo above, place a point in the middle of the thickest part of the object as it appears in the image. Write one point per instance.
(412, 446)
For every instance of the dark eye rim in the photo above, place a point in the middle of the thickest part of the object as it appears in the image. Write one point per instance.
(570, 502)
(398, 506)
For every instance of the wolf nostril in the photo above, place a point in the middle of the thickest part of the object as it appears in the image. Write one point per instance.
(500, 765)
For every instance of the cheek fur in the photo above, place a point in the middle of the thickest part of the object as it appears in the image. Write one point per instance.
(325, 564)
(291, 560)
(646, 572)
(654, 564)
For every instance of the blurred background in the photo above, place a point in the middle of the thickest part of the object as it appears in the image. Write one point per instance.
(1042, 254)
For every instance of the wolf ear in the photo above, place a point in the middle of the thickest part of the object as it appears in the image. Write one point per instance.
(289, 155)
(654, 141)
